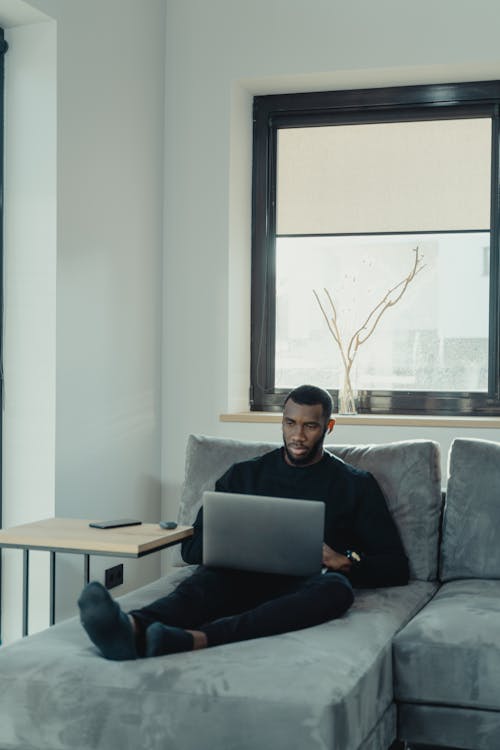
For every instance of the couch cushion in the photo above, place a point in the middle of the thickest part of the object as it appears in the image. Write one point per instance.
(207, 459)
(408, 473)
(449, 653)
(319, 688)
(470, 547)
(450, 727)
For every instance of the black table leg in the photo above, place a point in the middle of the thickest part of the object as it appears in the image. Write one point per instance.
(26, 591)
(86, 574)
(52, 588)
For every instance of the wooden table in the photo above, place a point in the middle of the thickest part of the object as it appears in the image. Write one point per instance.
(76, 536)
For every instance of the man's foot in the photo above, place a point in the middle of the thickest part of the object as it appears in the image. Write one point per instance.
(107, 626)
(164, 639)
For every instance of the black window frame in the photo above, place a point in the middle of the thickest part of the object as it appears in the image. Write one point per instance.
(424, 102)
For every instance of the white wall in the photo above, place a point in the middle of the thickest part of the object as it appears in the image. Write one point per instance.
(219, 54)
(102, 281)
(110, 171)
(30, 305)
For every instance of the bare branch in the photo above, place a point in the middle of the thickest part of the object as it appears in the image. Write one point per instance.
(385, 303)
(364, 332)
(328, 322)
(333, 326)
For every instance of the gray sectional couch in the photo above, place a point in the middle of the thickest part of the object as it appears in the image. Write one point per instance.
(418, 662)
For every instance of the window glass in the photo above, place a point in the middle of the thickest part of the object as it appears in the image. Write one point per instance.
(434, 338)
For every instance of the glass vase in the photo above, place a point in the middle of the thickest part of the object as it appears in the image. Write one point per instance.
(348, 395)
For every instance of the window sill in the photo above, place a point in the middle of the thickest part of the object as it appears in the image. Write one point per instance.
(385, 420)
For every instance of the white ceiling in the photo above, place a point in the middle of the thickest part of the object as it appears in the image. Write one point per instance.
(18, 13)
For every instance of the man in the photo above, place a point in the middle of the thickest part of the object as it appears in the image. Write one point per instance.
(213, 606)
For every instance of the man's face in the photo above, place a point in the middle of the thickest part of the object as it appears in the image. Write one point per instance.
(304, 429)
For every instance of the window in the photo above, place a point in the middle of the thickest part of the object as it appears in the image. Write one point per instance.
(376, 212)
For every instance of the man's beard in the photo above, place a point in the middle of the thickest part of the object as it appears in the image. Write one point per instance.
(308, 457)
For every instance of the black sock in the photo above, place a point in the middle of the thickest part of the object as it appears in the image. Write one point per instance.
(107, 626)
(164, 639)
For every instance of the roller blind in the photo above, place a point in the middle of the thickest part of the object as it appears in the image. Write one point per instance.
(384, 177)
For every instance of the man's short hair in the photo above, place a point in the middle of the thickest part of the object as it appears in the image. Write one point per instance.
(311, 395)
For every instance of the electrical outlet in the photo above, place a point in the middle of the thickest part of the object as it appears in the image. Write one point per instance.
(113, 576)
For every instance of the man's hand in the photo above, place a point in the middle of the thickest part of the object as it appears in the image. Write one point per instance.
(335, 561)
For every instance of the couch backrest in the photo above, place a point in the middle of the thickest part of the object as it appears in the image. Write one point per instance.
(471, 521)
(408, 473)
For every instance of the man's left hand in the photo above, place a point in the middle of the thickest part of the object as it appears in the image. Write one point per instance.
(335, 561)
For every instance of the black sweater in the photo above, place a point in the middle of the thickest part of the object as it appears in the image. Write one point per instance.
(356, 514)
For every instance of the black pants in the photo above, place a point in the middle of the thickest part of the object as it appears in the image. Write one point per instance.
(230, 605)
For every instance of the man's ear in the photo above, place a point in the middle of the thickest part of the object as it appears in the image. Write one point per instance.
(330, 425)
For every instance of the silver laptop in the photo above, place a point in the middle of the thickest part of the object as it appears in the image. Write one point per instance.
(263, 534)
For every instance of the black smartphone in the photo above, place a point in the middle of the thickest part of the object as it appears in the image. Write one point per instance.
(114, 524)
